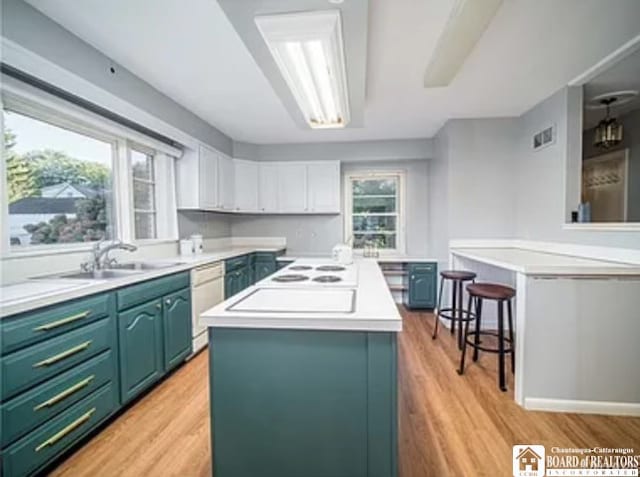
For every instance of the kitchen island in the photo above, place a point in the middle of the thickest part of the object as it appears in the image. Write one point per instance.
(303, 375)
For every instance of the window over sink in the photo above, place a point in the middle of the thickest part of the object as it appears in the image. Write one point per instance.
(374, 210)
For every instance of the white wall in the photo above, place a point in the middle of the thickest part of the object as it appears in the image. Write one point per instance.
(472, 182)
(542, 177)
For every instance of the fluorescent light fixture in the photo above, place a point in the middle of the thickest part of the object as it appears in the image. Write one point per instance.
(308, 49)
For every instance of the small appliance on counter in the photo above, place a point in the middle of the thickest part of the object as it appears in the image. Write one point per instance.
(186, 247)
(198, 246)
(342, 253)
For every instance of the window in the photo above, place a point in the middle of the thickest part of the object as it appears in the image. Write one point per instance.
(144, 187)
(72, 178)
(59, 183)
(374, 210)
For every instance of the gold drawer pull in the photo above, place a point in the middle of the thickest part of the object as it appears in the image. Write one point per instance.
(63, 355)
(67, 392)
(63, 321)
(71, 427)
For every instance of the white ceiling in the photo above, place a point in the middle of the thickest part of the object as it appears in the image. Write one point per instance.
(193, 55)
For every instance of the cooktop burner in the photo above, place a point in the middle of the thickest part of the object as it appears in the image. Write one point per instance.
(330, 268)
(292, 277)
(300, 267)
(327, 279)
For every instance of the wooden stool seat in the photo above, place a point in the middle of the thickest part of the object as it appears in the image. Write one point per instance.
(491, 291)
(461, 275)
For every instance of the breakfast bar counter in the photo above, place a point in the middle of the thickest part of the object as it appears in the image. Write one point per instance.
(576, 325)
(303, 375)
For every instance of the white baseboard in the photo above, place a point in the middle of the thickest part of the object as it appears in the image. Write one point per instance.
(583, 407)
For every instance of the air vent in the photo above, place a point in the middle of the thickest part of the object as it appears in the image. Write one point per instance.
(544, 138)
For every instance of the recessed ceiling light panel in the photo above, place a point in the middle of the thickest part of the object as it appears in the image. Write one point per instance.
(308, 49)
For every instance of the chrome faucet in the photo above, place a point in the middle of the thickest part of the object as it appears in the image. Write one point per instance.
(98, 262)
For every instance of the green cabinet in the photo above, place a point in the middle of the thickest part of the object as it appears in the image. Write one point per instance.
(264, 264)
(237, 274)
(141, 355)
(422, 285)
(155, 336)
(176, 321)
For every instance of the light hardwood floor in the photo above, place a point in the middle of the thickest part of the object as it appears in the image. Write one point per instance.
(450, 425)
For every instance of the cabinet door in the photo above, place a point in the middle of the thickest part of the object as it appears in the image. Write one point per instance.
(323, 191)
(263, 270)
(292, 187)
(246, 185)
(245, 278)
(208, 178)
(422, 285)
(226, 183)
(268, 188)
(140, 336)
(177, 327)
(231, 284)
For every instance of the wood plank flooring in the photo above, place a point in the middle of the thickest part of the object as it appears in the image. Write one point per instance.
(450, 425)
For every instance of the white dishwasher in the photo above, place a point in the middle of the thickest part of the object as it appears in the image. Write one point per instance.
(207, 290)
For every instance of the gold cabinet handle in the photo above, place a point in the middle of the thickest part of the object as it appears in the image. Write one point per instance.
(64, 394)
(63, 432)
(63, 355)
(63, 321)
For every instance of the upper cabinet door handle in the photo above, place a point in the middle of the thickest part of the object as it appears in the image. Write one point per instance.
(63, 321)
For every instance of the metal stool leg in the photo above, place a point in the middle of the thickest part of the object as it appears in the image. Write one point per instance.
(466, 333)
(503, 386)
(459, 310)
(476, 339)
(435, 331)
(513, 343)
(454, 301)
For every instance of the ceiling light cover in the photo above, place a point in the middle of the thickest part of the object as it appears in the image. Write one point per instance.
(308, 49)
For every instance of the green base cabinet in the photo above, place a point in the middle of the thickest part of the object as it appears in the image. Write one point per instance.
(423, 278)
(264, 264)
(177, 328)
(291, 403)
(141, 358)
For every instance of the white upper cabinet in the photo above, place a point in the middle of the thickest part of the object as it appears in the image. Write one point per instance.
(292, 187)
(246, 186)
(268, 187)
(323, 187)
(208, 178)
(226, 183)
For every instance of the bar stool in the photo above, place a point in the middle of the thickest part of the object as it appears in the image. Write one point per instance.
(501, 294)
(456, 312)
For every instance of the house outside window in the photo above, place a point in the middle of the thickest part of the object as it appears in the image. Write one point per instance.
(374, 210)
(59, 183)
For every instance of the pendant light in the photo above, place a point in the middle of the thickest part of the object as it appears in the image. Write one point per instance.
(608, 133)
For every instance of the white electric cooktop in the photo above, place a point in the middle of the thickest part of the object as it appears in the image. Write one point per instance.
(314, 273)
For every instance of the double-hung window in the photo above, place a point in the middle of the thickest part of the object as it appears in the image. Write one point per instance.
(144, 193)
(374, 210)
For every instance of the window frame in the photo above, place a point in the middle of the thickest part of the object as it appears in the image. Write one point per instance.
(28, 101)
(400, 175)
(132, 179)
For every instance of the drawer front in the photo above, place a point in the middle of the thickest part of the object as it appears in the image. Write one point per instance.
(49, 440)
(33, 365)
(264, 257)
(147, 291)
(29, 410)
(30, 328)
(235, 263)
(422, 268)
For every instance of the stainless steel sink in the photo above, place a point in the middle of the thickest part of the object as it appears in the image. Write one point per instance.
(144, 265)
(96, 274)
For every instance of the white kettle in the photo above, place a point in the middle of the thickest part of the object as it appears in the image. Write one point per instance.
(343, 254)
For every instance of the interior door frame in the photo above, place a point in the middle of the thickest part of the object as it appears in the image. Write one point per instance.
(617, 154)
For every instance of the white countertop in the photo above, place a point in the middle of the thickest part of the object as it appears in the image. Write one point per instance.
(531, 262)
(36, 293)
(373, 308)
